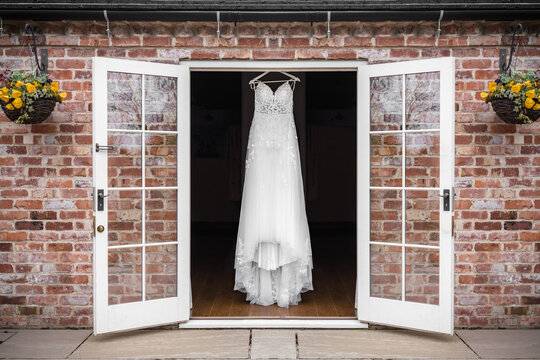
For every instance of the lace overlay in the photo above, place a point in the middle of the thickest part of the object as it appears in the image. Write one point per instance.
(273, 253)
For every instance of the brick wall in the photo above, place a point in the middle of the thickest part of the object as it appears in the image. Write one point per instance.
(45, 169)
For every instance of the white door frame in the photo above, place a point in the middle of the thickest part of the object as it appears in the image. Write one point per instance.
(282, 65)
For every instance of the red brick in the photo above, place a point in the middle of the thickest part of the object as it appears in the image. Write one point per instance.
(273, 54)
(6, 268)
(29, 225)
(59, 226)
(389, 41)
(74, 279)
(28, 204)
(13, 300)
(487, 226)
(59, 247)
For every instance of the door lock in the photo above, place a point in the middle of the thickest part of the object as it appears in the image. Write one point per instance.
(101, 200)
(100, 228)
(446, 199)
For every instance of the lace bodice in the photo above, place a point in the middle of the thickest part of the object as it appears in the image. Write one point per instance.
(273, 122)
(278, 102)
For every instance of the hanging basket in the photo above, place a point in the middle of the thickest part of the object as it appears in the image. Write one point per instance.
(505, 110)
(43, 107)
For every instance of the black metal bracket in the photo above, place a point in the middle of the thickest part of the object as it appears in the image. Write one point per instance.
(43, 67)
(503, 66)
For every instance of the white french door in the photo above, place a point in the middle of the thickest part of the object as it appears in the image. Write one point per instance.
(141, 194)
(142, 182)
(405, 194)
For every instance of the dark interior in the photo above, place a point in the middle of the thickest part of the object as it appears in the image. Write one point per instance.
(325, 116)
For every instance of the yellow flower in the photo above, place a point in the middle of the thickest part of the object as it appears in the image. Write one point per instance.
(30, 88)
(530, 93)
(19, 83)
(516, 88)
(10, 107)
(4, 97)
(527, 83)
(536, 107)
(54, 86)
(17, 103)
(529, 103)
(4, 90)
(63, 96)
(492, 86)
(16, 93)
(484, 96)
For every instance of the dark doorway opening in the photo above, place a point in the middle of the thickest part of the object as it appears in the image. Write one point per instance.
(325, 115)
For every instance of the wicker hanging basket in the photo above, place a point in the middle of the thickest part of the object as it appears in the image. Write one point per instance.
(505, 110)
(43, 107)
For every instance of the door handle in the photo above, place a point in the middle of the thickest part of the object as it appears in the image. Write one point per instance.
(446, 199)
(104, 147)
(101, 200)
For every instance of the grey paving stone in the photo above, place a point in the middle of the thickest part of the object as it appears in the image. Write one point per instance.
(6, 334)
(503, 344)
(42, 344)
(185, 344)
(273, 344)
(343, 344)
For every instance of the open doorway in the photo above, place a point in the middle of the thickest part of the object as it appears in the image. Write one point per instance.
(325, 115)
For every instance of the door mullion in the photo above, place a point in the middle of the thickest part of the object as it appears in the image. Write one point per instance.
(143, 192)
(403, 194)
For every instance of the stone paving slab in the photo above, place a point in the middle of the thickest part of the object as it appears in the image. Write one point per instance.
(39, 344)
(6, 334)
(273, 344)
(503, 344)
(186, 344)
(347, 344)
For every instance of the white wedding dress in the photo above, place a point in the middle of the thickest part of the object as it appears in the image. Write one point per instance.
(273, 251)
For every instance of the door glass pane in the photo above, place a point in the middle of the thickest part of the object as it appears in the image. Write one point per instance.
(161, 277)
(124, 101)
(422, 159)
(422, 217)
(124, 217)
(422, 100)
(422, 275)
(385, 272)
(386, 103)
(124, 160)
(160, 99)
(386, 159)
(160, 160)
(160, 218)
(385, 216)
(125, 280)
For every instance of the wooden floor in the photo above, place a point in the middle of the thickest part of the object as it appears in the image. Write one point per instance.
(334, 281)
